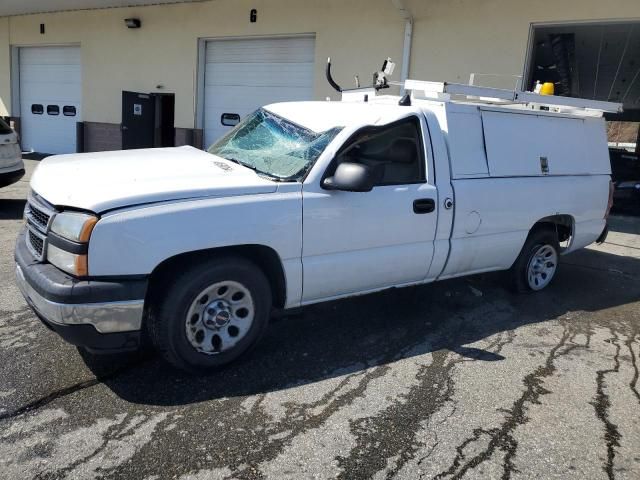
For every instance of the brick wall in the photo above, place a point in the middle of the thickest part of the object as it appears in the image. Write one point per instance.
(99, 137)
(188, 136)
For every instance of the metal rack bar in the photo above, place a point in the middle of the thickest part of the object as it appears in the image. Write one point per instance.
(435, 89)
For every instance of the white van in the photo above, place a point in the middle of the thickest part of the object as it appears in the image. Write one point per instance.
(11, 164)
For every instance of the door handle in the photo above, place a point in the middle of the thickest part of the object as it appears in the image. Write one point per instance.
(424, 205)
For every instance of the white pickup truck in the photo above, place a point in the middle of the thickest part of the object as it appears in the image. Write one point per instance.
(301, 203)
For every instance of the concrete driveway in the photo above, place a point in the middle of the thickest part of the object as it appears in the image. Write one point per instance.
(460, 379)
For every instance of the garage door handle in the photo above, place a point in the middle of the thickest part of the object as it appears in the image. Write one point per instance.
(424, 205)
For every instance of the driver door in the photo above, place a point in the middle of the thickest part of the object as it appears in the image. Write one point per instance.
(356, 242)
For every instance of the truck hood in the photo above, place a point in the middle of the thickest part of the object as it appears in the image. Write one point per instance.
(108, 180)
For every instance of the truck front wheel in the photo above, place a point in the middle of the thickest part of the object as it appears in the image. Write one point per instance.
(537, 263)
(211, 314)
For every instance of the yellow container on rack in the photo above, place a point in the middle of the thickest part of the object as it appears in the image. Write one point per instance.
(547, 89)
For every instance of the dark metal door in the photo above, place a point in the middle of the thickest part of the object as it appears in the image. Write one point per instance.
(138, 120)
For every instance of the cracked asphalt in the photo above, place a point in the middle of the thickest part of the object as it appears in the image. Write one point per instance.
(459, 379)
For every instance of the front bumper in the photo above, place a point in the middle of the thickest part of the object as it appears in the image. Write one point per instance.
(102, 316)
(603, 236)
(8, 178)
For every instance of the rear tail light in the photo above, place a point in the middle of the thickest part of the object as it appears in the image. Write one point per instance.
(610, 202)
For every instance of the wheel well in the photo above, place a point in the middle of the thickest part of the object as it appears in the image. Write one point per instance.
(562, 224)
(264, 257)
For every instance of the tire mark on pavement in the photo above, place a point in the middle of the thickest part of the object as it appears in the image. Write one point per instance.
(602, 403)
(502, 438)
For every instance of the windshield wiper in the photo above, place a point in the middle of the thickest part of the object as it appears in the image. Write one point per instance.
(235, 160)
(254, 168)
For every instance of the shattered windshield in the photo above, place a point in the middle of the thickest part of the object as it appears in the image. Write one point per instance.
(274, 146)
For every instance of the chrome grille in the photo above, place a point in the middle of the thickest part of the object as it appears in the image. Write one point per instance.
(38, 214)
(36, 244)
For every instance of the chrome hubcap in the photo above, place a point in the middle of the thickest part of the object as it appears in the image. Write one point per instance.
(219, 317)
(542, 267)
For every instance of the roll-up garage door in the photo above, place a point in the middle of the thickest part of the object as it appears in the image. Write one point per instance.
(242, 75)
(50, 98)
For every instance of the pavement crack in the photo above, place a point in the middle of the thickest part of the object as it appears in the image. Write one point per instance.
(426, 456)
(500, 341)
(45, 400)
(602, 403)
(502, 438)
(392, 433)
(381, 437)
(622, 245)
(64, 392)
(108, 436)
(634, 362)
(302, 417)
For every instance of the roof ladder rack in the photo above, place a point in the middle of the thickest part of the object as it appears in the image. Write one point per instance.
(442, 90)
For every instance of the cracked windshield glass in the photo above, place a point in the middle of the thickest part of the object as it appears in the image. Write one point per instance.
(273, 146)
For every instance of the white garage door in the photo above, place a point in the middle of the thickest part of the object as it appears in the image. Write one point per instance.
(50, 98)
(243, 75)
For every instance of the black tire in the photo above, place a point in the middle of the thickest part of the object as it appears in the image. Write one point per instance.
(167, 323)
(537, 238)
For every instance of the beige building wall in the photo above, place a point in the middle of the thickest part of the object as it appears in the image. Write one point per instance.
(357, 34)
(452, 38)
(5, 68)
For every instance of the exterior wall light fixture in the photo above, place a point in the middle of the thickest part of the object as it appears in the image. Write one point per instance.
(132, 22)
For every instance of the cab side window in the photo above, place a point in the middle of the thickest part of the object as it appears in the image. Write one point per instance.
(393, 153)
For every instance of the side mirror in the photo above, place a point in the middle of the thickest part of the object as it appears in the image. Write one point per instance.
(350, 177)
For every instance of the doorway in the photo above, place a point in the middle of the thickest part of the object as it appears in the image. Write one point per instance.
(598, 61)
(147, 120)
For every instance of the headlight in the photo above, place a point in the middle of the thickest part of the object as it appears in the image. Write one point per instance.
(69, 252)
(69, 262)
(74, 226)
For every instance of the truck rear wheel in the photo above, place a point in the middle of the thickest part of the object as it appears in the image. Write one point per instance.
(536, 266)
(211, 314)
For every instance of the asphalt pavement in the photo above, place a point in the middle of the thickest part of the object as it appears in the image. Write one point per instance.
(458, 379)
